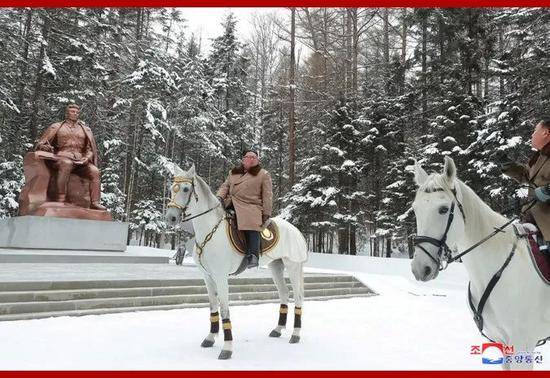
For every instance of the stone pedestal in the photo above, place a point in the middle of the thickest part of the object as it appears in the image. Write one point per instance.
(39, 232)
(67, 210)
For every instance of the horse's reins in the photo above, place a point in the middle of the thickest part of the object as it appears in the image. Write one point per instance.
(445, 252)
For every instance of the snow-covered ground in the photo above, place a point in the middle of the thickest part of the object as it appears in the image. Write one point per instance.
(408, 326)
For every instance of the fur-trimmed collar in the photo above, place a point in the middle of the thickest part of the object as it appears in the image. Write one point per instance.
(240, 170)
(544, 151)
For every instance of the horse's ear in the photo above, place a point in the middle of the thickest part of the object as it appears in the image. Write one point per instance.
(176, 170)
(449, 170)
(420, 175)
(191, 171)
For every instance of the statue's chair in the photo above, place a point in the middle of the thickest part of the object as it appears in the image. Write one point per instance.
(40, 184)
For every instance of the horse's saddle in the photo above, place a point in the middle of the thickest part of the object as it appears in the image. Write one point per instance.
(269, 237)
(540, 259)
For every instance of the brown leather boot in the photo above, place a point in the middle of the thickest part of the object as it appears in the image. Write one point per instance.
(97, 206)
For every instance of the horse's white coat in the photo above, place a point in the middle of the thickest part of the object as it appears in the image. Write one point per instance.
(218, 259)
(518, 310)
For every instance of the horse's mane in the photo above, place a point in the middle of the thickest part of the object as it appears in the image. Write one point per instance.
(205, 189)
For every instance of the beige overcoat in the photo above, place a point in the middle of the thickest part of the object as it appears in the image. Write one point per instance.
(250, 193)
(536, 173)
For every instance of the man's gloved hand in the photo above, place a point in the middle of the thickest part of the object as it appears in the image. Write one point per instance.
(506, 165)
(504, 162)
(542, 193)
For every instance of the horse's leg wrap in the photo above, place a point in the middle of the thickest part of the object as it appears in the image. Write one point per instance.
(214, 330)
(283, 312)
(297, 325)
(227, 335)
(227, 350)
(214, 322)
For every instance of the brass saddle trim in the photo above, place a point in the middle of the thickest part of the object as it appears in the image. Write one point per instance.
(266, 234)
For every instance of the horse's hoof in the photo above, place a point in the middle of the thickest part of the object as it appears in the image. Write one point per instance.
(207, 343)
(275, 333)
(294, 339)
(225, 355)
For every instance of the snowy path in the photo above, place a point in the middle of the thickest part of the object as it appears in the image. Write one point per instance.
(407, 326)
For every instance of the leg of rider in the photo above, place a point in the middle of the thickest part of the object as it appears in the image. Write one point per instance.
(252, 247)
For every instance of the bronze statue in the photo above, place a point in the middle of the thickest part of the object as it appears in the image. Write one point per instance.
(75, 150)
(63, 170)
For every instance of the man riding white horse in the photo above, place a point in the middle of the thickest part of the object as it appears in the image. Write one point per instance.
(248, 190)
(537, 175)
(216, 258)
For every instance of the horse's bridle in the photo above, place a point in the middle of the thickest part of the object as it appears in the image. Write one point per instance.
(176, 187)
(444, 253)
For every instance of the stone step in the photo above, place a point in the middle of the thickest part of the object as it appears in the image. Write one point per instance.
(64, 295)
(113, 310)
(88, 304)
(98, 284)
(77, 257)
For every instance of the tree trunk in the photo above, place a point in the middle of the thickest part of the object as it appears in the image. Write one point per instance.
(37, 95)
(325, 52)
(501, 88)
(352, 240)
(386, 47)
(424, 67)
(23, 72)
(343, 241)
(404, 38)
(348, 44)
(291, 81)
(388, 247)
(354, 52)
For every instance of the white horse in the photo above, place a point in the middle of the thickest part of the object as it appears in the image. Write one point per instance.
(216, 259)
(450, 216)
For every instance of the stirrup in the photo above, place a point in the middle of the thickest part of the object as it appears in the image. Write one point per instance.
(253, 260)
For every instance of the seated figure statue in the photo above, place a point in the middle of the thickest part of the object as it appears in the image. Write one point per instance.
(63, 169)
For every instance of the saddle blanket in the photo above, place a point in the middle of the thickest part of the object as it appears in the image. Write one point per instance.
(540, 259)
(278, 233)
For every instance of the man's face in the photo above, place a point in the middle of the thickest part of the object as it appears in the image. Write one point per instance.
(540, 137)
(250, 160)
(72, 114)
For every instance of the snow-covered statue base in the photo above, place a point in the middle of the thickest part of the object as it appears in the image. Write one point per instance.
(33, 232)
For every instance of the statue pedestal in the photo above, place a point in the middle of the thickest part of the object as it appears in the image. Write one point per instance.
(50, 232)
(66, 210)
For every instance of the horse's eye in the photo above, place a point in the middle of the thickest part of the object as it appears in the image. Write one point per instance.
(443, 209)
(185, 190)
